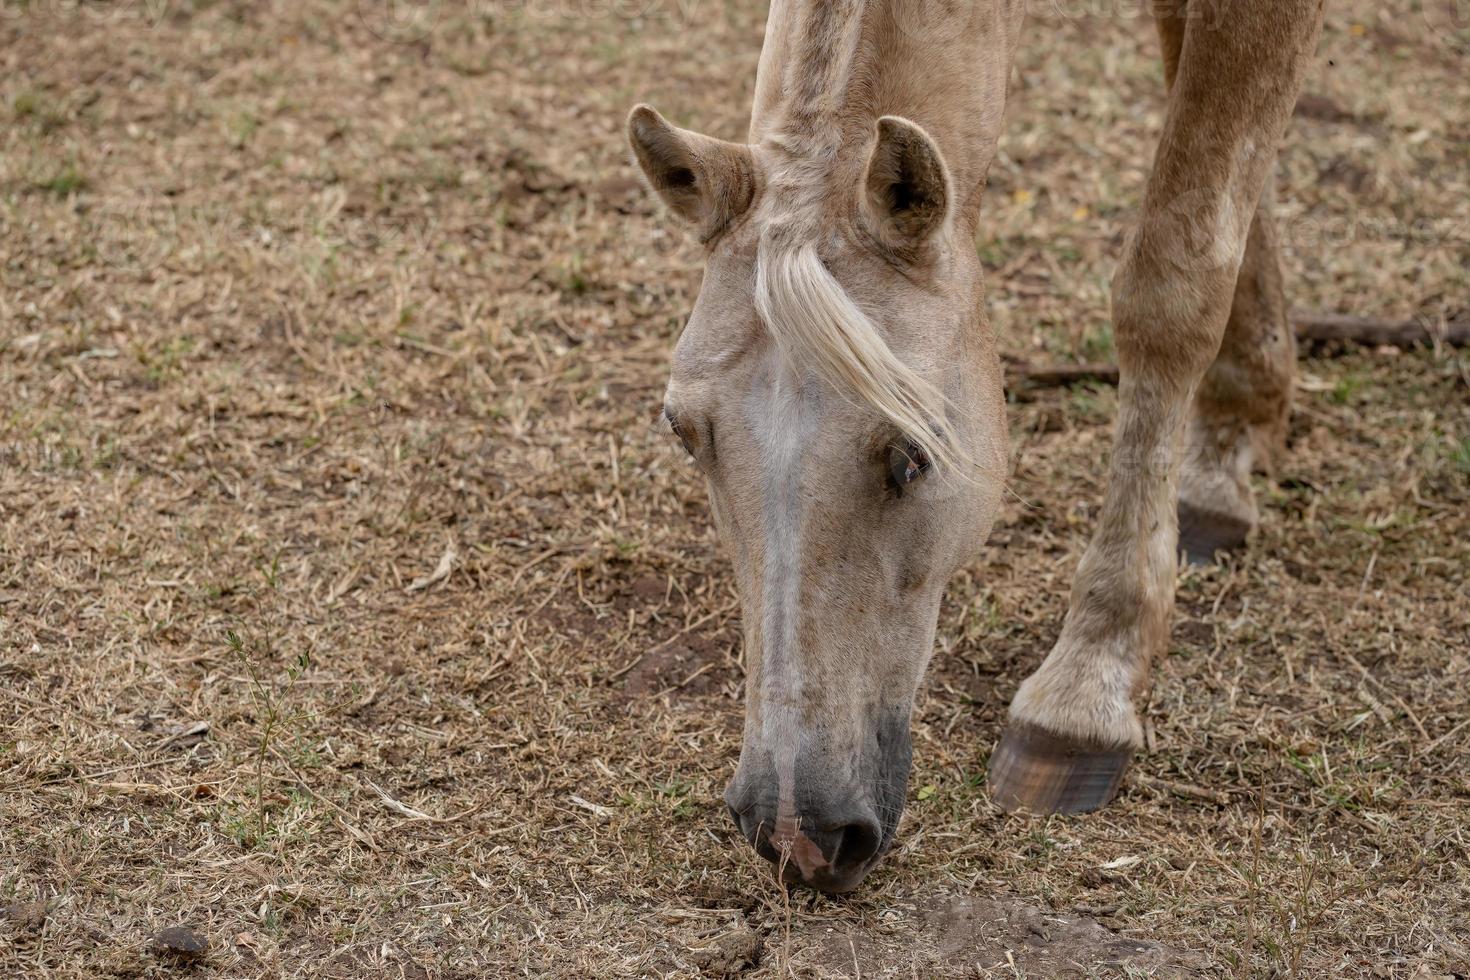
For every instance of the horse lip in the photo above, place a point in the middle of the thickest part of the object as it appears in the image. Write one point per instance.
(798, 847)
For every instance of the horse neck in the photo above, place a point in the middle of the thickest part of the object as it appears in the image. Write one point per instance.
(830, 68)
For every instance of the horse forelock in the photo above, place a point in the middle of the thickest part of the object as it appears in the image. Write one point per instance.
(820, 328)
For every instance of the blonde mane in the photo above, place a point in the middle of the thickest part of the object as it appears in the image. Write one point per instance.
(818, 325)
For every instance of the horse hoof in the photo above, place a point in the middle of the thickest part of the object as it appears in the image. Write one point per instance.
(1205, 533)
(1033, 769)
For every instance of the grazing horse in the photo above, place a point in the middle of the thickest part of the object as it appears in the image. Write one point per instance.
(838, 386)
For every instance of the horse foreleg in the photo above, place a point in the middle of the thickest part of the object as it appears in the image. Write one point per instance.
(1072, 723)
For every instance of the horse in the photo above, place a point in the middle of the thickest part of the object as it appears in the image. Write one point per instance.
(838, 386)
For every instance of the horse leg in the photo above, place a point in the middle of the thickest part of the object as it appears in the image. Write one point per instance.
(1240, 65)
(1241, 407)
(1238, 423)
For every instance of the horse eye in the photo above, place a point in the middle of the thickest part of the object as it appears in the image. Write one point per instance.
(673, 423)
(906, 464)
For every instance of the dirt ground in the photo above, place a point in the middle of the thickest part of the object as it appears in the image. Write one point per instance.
(356, 617)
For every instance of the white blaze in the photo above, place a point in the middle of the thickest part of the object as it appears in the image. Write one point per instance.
(782, 422)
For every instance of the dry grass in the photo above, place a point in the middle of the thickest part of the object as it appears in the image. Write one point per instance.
(353, 614)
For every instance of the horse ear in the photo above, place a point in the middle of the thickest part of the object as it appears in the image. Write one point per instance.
(906, 184)
(705, 181)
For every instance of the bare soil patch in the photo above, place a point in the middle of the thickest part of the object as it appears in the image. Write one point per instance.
(971, 936)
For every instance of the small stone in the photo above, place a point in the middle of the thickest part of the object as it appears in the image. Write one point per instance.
(183, 943)
(27, 916)
(731, 954)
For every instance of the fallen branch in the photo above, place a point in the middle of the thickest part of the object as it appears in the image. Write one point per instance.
(1058, 375)
(1371, 331)
(1310, 329)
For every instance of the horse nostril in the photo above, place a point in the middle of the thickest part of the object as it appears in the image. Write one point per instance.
(856, 844)
(755, 829)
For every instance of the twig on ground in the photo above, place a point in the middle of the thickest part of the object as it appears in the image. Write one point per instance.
(595, 808)
(1187, 790)
(1408, 711)
(413, 814)
(440, 572)
(1310, 328)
